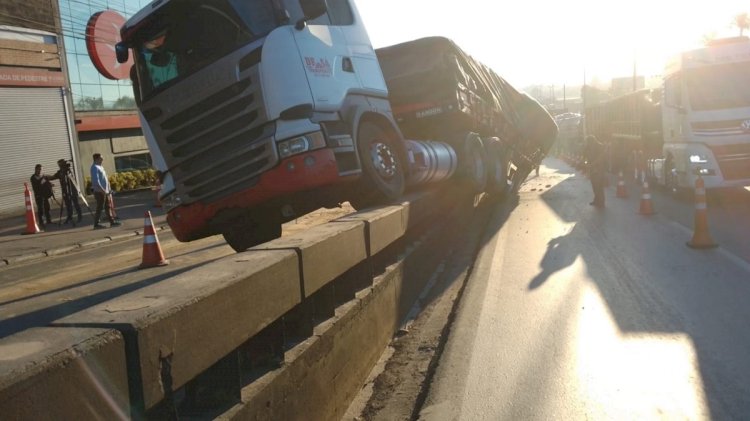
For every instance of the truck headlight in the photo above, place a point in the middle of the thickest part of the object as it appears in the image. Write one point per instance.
(298, 145)
(698, 159)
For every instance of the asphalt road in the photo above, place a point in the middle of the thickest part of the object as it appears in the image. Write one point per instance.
(577, 313)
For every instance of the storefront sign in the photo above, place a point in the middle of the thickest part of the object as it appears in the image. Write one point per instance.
(12, 76)
(102, 34)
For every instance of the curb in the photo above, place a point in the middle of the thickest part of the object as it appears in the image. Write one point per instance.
(38, 255)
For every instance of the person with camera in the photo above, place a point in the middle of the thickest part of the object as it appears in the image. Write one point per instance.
(42, 192)
(69, 191)
(102, 190)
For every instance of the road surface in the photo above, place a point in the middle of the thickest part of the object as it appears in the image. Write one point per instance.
(577, 313)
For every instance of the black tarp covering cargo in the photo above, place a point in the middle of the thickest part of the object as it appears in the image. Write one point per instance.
(438, 92)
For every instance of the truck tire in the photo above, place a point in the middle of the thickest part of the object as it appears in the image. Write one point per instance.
(474, 168)
(383, 167)
(248, 232)
(497, 168)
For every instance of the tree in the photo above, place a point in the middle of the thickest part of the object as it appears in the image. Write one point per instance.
(90, 103)
(125, 103)
(742, 21)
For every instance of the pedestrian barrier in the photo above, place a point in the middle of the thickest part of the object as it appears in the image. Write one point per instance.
(31, 225)
(646, 205)
(622, 191)
(701, 236)
(152, 254)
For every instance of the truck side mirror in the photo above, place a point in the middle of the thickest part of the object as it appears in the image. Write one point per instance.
(311, 9)
(122, 52)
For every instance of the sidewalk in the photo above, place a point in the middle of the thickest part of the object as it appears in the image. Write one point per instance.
(59, 239)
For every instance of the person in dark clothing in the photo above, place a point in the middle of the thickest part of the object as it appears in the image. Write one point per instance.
(69, 191)
(595, 159)
(42, 192)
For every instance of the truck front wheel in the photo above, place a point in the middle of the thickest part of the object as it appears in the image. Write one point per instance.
(383, 171)
(248, 232)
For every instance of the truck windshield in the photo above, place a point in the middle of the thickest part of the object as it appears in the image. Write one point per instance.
(186, 35)
(719, 87)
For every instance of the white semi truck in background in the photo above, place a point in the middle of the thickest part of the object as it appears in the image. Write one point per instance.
(258, 111)
(697, 124)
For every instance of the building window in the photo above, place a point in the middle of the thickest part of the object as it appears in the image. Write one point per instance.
(90, 90)
(132, 162)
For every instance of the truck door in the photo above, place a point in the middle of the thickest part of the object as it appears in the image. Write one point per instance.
(325, 56)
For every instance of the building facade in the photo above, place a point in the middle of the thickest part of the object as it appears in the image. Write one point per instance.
(106, 120)
(36, 118)
(54, 104)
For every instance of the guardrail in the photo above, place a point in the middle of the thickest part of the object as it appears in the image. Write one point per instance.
(286, 330)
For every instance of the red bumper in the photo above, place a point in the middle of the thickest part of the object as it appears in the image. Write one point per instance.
(294, 175)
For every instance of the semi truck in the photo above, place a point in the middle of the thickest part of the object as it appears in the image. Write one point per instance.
(256, 112)
(697, 124)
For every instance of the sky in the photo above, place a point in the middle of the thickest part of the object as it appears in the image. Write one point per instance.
(550, 42)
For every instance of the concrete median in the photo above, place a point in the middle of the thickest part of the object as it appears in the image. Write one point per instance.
(63, 373)
(326, 251)
(179, 327)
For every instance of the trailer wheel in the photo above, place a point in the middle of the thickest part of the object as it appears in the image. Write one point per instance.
(497, 168)
(474, 166)
(249, 232)
(383, 170)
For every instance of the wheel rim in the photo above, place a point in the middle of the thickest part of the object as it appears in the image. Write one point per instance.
(384, 160)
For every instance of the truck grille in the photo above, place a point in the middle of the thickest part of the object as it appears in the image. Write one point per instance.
(734, 160)
(219, 145)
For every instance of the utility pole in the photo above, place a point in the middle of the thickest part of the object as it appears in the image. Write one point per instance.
(635, 74)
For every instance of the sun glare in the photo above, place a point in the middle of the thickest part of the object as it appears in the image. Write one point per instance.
(544, 41)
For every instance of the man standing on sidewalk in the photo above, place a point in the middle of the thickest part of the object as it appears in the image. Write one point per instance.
(100, 185)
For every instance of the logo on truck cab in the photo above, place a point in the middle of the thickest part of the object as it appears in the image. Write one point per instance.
(318, 66)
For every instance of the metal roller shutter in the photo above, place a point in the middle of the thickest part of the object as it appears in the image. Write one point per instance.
(33, 130)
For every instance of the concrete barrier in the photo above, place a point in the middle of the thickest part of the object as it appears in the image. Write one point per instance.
(382, 226)
(326, 251)
(322, 375)
(179, 327)
(175, 330)
(63, 374)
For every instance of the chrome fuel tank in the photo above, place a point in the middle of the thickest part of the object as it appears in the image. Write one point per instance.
(430, 161)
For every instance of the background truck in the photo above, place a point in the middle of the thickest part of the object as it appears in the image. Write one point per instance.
(259, 111)
(698, 124)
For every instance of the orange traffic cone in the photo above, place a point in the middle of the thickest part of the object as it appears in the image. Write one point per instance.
(31, 225)
(646, 207)
(621, 190)
(152, 254)
(701, 237)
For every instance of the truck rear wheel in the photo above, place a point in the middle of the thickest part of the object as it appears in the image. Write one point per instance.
(497, 168)
(248, 232)
(383, 171)
(474, 165)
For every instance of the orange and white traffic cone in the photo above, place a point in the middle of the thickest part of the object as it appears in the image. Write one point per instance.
(152, 254)
(646, 206)
(701, 237)
(622, 192)
(31, 225)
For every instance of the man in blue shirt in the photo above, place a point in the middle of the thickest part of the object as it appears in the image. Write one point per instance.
(100, 185)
